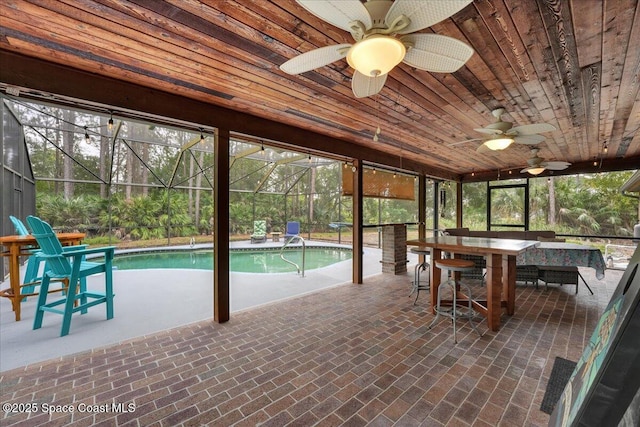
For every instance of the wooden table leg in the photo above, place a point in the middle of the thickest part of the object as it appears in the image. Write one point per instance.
(434, 278)
(14, 279)
(494, 289)
(509, 282)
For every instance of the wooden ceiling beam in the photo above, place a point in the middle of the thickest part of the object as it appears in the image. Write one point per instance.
(607, 165)
(126, 98)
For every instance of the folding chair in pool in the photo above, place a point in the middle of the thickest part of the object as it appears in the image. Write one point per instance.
(70, 265)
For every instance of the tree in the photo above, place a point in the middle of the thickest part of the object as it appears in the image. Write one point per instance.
(68, 120)
(105, 155)
(552, 202)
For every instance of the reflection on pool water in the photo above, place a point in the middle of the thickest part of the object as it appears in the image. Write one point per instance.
(241, 261)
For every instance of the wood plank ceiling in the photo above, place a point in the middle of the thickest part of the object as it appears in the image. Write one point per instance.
(572, 63)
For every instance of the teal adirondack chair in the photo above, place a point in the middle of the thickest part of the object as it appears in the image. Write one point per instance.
(70, 265)
(259, 232)
(33, 262)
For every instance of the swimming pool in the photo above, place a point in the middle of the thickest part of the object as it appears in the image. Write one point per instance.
(240, 260)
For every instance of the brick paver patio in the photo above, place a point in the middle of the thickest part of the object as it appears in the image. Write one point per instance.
(351, 355)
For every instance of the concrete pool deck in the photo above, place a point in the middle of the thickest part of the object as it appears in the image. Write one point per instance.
(148, 301)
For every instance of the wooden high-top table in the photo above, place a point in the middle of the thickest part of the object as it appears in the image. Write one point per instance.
(501, 269)
(17, 246)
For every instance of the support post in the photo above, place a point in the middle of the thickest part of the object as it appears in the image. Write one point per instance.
(458, 204)
(357, 222)
(221, 303)
(422, 211)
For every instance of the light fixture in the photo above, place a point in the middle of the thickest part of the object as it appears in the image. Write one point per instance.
(262, 149)
(375, 135)
(605, 148)
(86, 135)
(201, 136)
(110, 122)
(535, 170)
(309, 158)
(376, 55)
(496, 144)
(374, 171)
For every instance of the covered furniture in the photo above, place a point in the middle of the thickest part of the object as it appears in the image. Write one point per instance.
(540, 235)
(527, 273)
(479, 264)
(549, 253)
(564, 254)
(259, 232)
(561, 275)
(70, 265)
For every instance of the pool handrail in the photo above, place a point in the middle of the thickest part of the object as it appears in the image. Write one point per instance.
(304, 248)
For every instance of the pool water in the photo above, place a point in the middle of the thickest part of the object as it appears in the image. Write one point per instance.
(241, 261)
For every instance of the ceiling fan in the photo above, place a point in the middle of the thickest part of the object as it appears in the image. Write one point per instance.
(503, 134)
(384, 31)
(537, 165)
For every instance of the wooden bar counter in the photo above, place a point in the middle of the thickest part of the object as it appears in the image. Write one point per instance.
(501, 269)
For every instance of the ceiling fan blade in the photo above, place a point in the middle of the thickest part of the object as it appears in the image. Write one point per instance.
(339, 12)
(436, 53)
(489, 131)
(364, 86)
(528, 139)
(315, 58)
(532, 129)
(556, 166)
(422, 13)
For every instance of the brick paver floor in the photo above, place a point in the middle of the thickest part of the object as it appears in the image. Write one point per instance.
(352, 355)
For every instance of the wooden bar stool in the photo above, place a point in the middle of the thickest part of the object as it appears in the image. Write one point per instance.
(416, 285)
(453, 265)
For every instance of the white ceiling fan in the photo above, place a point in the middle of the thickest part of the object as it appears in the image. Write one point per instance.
(503, 134)
(384, 32)
(537, 165)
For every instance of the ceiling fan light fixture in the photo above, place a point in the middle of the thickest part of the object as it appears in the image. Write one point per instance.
(496, 144)
(376, 55)
(536, 170)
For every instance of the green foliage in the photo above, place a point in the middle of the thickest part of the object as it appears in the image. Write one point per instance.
(77, 213)
(584, 204)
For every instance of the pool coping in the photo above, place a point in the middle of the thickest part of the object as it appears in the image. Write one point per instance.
(236, 245)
